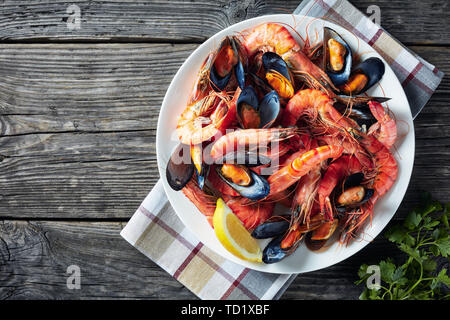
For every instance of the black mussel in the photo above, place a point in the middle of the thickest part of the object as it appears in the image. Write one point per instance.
(228, 57)
(218, 83)
(202, 175)
(247, 108)
(357, 108)
(200, 166)
(325, 231)
(269, 109)
(251, 114)
(337, 57)
(244, 181)
(359, 101)
(273, 252)
(270, 229)
(261, 86)
(247, 158)
(180, 168)
(362, 117)
(353, 180)
(278, 75)
(364, 76)
(353, 197)
(313, 245)
(239, 71)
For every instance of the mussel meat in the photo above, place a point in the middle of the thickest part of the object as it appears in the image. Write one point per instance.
(364, 76)
(278, 75)
(353, 197)
(325, 231)
(337, 57)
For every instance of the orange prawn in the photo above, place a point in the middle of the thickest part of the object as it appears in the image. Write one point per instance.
(300, 166)
(251, 213)
(204, 201)
(313, 103)
(240, 139)
(207, 118)
(385, 175)
(385, 130)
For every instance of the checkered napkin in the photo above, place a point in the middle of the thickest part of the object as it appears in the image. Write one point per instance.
(156, 231)
(418, 77)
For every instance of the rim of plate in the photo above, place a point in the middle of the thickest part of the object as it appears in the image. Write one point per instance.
(208, 239)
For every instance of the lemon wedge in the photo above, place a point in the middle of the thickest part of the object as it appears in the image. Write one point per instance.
(232, 234)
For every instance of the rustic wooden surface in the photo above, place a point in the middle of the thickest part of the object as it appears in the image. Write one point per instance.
(78, 114)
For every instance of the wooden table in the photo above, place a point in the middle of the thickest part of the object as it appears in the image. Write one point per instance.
(78, 114)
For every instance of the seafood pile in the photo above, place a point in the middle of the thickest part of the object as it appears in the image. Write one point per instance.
(271, 122)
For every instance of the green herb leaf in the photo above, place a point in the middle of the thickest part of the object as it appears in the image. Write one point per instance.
(423, 236)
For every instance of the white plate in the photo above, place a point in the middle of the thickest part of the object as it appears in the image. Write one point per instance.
(302, 260)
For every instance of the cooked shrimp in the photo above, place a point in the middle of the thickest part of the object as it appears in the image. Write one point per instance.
(385, 130)
(300, 166)
(240, 139)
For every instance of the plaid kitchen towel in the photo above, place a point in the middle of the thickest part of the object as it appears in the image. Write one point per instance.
(156, 231)
(418, 77)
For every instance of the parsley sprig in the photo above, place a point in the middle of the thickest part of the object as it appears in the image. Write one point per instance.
(424, 238)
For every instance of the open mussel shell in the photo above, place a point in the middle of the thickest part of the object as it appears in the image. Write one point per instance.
(361, 101)
(247, 158)
(247, 108)
(353, 180)
(258, 188)
(252, 114)
(314, 245)
(232, 62)
(272, 61)
(278, 75)
(362, 116)
(273, 252)
(341, 75)
(201, 168)
(269, 109)
(373, 68)
(180, 168)
(218, 83)
(357, 108)
(239, 71)
(368, 193)
(270, 229)
(202, 175)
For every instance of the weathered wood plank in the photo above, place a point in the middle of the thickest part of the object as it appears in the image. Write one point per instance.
(34, 257)
(110, 87)
(78, 128)
(54, 88)
(195, 21)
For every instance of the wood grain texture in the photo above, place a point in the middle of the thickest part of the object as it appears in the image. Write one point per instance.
(78, 123)
(195, 21)
(77, 137)
(34, 257)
